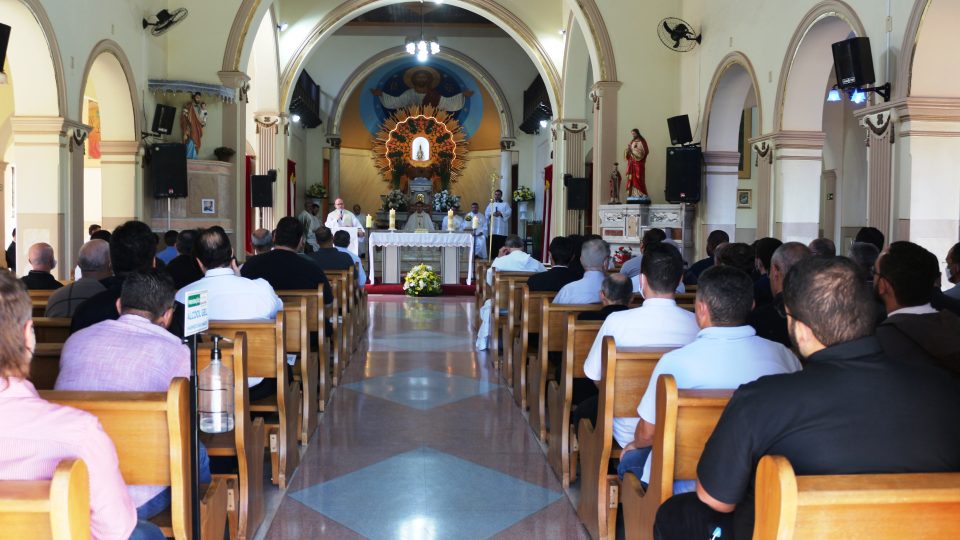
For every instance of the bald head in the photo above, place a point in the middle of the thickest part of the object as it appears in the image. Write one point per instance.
(94, 259)
(41, 257)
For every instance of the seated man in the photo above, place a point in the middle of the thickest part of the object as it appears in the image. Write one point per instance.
(561, 253)
(94, 263)
(262, 241)
(823, 247)
(458, 222)
(616, 291)
(738, 255)
(282, 267)
(35, 435)
(953, 271)
(134, 353)
(511, 259)
(41, 259)
(184, 268)
(631, 268)
(168, 253)
(845, 413)
(715, 238)
(341, 240)
(419, 219)
(767, 319)
(326, 256)
(913, 329)
(763, 249)
(726, 354)
(593, 256)
(659, 322)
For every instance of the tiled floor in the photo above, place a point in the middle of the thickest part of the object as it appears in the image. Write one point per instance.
(421, 441)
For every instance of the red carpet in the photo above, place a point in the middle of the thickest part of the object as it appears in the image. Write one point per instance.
(397, 288)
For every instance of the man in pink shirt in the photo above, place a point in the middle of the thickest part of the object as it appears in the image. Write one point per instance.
(134, 353)
(35, 434)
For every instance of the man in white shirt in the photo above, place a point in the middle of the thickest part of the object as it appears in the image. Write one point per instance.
(419, 220)
(632, 267)
(458, 222)
(308, 218)
(593, 256)
(341, 217)
(498, 212)
(657, 323)
(479, 233)
(725, 354)
(513, 259)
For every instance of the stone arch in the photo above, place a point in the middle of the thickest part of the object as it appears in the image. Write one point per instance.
(109, 67)
(731, 86)
(459, 58)
(804, 72)
(39, 87)
(602, 59)
(577, 66)
(930, 31)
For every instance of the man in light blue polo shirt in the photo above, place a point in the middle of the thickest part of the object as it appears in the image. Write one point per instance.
(726, 354)
(593, 256)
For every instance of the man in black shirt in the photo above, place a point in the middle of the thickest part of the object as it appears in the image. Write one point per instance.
(11, 253)
(769, 320)
(184, 268)
(763, 249)
(41, 259)
(853, 409)
(561, 252)
(328, 257)
(283, 267)
(715, 238)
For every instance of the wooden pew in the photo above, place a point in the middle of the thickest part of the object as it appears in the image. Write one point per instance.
(553, 338)
(245, 443)
(580, 337)
(500, 320)
(316, 319)
(267, 357)
(625, 374)
(56, 509)
(511, 328)
(151, 432)
(337, 337)
(685, 420)
(527, 349)
(45, 365)
(483, 292)
(874, 506)
(51, 330)
(297, 338)
(344, 291)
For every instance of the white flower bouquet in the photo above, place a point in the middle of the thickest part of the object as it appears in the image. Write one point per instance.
(317, 191)
(523, 193)
(422, 281)
(395, 200)
(444, 201)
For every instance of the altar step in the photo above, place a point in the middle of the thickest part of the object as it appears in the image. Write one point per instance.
(397, 288)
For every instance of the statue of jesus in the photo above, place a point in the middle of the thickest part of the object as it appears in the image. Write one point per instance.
(636, 155)
(422, 82)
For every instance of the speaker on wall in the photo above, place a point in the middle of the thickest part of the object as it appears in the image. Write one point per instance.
(578, 196)
(168, 170)
(163, 116)
(261, 191)
(853, 63)
(4, 40)
(679, 127)
(684, 173)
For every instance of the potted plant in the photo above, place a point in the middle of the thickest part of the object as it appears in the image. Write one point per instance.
(317, 191)
(422, 281)
(224, 153)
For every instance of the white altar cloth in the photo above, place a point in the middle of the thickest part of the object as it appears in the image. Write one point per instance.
(430, 239)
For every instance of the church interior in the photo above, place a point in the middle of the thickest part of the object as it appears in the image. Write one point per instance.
(797, 120)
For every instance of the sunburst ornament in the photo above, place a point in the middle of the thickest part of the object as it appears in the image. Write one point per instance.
(420, 142)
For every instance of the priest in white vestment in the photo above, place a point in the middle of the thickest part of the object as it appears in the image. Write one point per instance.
(419, 220)
(458, 222)
(498, 214)
(479, 233)
(341, 217)
(513, 260)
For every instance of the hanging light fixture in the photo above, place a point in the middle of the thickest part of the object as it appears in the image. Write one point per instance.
(422, 48)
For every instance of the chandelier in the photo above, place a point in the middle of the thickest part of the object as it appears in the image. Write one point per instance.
(423, 47)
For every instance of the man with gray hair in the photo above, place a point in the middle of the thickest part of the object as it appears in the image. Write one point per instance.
(593, 256)
(94, 264)
(41, 259)
(262, 241)
(766, 319)
(615, 295)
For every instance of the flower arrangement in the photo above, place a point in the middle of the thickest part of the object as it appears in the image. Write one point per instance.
(422, 281)
(317, 191)
(395, 200)
(523, 193)
(622, 255)
(444, 201)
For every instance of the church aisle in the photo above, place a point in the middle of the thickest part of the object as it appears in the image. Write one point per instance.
(421, 442)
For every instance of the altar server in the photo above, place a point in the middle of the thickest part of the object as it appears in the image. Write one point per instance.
(499, 213)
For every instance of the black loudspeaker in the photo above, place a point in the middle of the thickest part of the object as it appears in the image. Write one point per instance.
(163, 117)
(168, 170)
(4, 40)
(679, 129)
(853, 63)
(261, 191)
(684, 172)
(578, 196)
(272, 174)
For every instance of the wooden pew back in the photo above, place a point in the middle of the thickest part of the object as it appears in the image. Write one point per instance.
(530, 314)
(51, 329)
(58, 509)
(316, 318)
(506, 301)
(45, 365)
(875, 506)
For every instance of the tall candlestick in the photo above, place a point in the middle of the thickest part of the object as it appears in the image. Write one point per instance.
(450, 220)
(476, 222)
(393, 219)
(369, 221)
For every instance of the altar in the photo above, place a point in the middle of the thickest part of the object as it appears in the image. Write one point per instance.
(623, 225)
(450, 243)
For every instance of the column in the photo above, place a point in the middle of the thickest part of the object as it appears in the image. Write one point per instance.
(234, 129)
(926, 150)
(506, 167)
(333, 190)
(606, 151)
(268, 131)
(798, 164)
(42, 161)
(75, 234)
(763, 171)
(722, 179)
(119, 173)
(568, 136)
(880, 140)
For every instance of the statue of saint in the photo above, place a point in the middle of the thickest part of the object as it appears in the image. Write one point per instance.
(192, 122)
(636, 154)
(422, 82)
(615, 180)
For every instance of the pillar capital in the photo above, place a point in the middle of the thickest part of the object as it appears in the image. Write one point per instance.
(237, 80)
(716, 158)
(334, 141)
(507, 144)
(119, 148)
(603, 89)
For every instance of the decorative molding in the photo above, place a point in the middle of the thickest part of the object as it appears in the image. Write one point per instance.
(601, 90)
(267, 122)
(507, 144)
(764, 151)
(334, 142)
(929, 109)
(735, 58)
(723, 159)
(108, 46)
(237, 80)
(76, 134)
(879, 125)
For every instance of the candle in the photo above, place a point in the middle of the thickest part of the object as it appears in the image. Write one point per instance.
(369, 221)
(450, 220)
(476, 222)
(393, 219)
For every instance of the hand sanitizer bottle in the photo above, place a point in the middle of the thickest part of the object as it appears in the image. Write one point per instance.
(216, 394)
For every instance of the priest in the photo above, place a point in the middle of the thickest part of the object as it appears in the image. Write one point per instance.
(498, 213)
(341, 217)
(419, 220)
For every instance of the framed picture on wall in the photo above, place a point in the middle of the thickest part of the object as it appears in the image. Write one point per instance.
(743, 144)
(744, 198)
(208, 206)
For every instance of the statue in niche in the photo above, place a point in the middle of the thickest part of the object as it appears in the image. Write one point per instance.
(615, 180)
(421, 149)
(636, 155)
(422, 82)
(192, 122)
